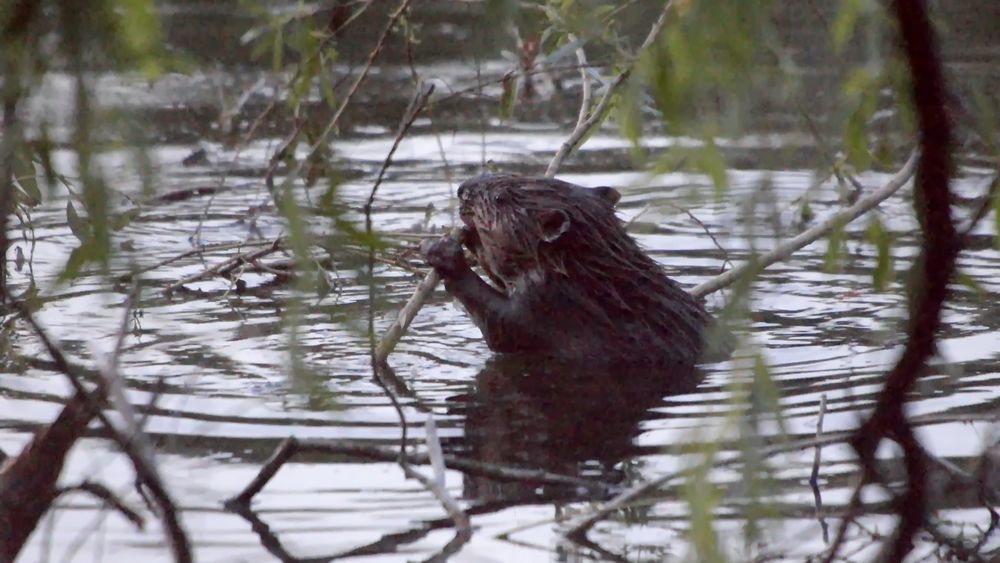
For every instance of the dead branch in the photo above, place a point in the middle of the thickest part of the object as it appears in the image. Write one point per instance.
(145, 473)
(28, 483)
(463, 528)
(127, 277)
(224, 268)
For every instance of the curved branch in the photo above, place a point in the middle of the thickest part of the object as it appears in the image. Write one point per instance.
(932, 203)
(585, 127)
(581, 118)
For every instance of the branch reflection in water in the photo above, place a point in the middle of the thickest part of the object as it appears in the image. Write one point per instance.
(537, 431)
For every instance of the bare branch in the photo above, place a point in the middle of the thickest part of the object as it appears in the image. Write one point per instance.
(146, 474)
(406, 315)
(223, 268)
(785, 249)
(585, 127)
(332, 124)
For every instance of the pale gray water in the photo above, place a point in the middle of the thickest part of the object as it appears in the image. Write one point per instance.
(228, 399)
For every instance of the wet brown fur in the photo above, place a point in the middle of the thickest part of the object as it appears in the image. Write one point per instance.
(544, 240)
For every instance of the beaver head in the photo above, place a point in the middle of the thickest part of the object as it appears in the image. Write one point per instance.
(518, 226)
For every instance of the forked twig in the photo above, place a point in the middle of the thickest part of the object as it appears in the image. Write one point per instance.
(595, 117)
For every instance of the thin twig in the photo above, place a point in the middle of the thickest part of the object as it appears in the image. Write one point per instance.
(463, 528)
(416, 106)
(704, 227)
(109, 498)
(814, 477)
(595, 117)
(398, 327)
(582, 117)
(332, 124)
(223, 268)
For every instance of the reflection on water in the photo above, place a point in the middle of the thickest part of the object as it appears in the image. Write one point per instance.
(208, 368)
(566, 419)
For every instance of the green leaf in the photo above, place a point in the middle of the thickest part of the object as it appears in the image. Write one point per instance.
(508, 97)
(843, 25)
(277, 48)
(806, 214)
(43, 152)
(78, 258)
(79, 227)
(876, 234)
(963, 278)
(628, 114)
(121, 220)
(27, 179)
(709, 160)
(326, 89)
(835, 249)
(139, 30)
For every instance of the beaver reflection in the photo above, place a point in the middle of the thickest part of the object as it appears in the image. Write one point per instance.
(556, 416)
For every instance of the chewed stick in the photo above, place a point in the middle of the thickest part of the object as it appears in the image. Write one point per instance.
(399, 326)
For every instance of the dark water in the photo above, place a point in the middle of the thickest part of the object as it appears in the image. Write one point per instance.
(227, 398)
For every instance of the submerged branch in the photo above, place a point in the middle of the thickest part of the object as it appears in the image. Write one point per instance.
(223, 268)
(291, 447)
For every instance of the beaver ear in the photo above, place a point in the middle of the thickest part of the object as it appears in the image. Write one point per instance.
(554, 223)
(608, 194)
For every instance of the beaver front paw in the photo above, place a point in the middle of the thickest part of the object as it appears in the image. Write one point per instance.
(445, 255)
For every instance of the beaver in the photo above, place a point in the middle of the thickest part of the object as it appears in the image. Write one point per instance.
(569, 283)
